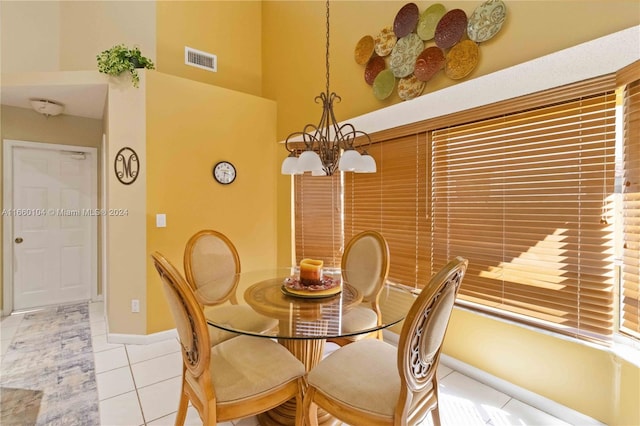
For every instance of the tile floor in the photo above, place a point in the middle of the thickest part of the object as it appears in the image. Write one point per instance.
(140, 385)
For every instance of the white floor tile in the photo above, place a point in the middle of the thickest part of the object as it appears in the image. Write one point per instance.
(122, 410)
(11, 321)
(160, 399)
(518, 413)
(100, 343)
(110, 360)
(192, 419)
(443, 371)
(98, 327)
(157, 369)
(114, 382)
(4, 345)
(468, 398)
(7, 333)
(138, 353)
(96, 310)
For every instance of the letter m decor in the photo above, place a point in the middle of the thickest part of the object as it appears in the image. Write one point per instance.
(126, 165)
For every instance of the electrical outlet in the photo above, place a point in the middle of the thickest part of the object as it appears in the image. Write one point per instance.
(135, 305)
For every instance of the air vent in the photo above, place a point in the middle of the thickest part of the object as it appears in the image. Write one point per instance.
(200, 59)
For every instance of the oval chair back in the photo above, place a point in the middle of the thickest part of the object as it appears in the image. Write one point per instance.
(365, 263)
(210, 255)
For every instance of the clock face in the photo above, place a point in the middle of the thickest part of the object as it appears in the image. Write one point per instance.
(224, 172)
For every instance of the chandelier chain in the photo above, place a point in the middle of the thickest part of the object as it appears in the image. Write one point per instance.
(327, 49)
(329, 145)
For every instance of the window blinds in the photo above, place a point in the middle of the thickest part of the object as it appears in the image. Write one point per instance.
(526, 197)
(630, 297)
(318, 218)
(393, 201)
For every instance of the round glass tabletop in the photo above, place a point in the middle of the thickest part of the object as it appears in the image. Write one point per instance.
(337, 309)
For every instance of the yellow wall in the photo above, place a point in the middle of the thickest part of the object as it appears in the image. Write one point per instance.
(231, 30)
(29, 36)
(89, 27)
(294, 46)
(67, 35)
(190, 127)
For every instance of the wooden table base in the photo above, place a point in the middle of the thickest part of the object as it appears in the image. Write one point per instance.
(310, 353)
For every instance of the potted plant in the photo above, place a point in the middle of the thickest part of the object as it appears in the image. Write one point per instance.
(120, 59)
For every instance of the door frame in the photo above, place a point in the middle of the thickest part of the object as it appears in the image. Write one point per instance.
(7, 220)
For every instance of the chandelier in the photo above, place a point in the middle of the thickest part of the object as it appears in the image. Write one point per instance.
(329, 146)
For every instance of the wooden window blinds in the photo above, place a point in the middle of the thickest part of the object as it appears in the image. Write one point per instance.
(630, 292)
(393, 201)
(318, 218)
(527, 198)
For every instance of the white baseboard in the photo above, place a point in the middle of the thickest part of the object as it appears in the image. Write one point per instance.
(521, 394)
(142, 339)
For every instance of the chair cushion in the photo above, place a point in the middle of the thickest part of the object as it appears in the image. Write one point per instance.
(245, 366)
(217, 335)
(363, 375)
(359, 318)
(240, 317)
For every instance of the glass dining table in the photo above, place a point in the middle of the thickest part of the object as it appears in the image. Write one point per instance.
(301, 323)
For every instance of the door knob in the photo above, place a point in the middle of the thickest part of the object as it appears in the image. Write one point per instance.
(19, 240)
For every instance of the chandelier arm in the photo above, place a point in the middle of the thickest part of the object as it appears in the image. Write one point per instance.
(347, 135)
(369, 143)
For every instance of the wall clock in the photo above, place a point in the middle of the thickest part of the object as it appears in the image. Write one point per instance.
(224, 172)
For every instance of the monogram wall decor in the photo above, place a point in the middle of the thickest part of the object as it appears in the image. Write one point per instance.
(126, 165)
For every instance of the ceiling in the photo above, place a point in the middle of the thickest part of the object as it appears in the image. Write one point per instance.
(87, 100)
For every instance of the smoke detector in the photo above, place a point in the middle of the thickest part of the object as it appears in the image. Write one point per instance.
(46, 107)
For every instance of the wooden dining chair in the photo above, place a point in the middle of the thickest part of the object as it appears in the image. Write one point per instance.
(239, 377)
(365, 266)
(211, 257)
(371, 382)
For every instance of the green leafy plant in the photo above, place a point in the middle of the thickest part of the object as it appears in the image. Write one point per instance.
(121, 59)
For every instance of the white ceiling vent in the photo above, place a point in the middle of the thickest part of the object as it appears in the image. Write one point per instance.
(200, 59)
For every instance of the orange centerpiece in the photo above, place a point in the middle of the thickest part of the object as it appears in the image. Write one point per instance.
(310, 271)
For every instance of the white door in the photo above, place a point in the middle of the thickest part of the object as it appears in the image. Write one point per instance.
(52, 199)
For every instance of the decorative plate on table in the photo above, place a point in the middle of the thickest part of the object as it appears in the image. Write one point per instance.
(364, 50)
(383, 84)
(429, 20)
(327, 287)
(450, 29)
(404, 55)
(373, 68)
(410, 87)
(406, 20)
(462, 59)
(384, 41)
(486, 20)
(429, 62)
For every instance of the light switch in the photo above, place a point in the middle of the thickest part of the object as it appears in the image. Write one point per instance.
(161, 220)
